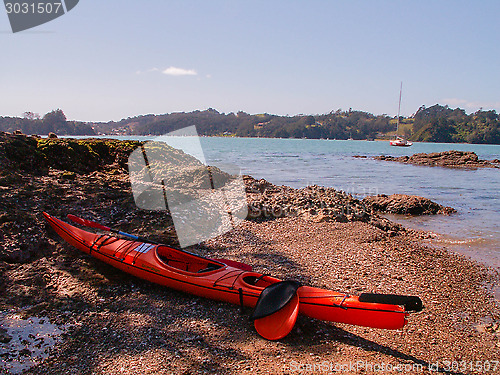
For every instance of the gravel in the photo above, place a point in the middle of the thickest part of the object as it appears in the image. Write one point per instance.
(124, 325)
(113, 323)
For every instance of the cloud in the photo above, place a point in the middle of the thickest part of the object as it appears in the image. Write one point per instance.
(173, 71)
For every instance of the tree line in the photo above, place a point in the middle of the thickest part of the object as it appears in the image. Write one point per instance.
(433, 124)
(443, 124)
(53, 122)
(334, 125)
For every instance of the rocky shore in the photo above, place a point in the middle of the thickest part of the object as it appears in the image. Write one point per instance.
(113, 323)
(404, 204)
(313, 203)
(450, 159)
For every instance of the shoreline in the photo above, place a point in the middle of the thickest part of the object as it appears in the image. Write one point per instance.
(477, 248)
(120, 324)
(132, 137)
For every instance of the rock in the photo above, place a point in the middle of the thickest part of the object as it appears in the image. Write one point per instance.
(313, 203)
(37, 155)
(69, 175)
(451, 159)
(25, 352)
(405, 204)
(19, 153)
(4, 336)
(52, 135)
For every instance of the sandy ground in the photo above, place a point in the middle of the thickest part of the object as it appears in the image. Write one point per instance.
(122, 325)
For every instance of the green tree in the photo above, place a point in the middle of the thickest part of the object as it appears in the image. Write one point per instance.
(56, 122)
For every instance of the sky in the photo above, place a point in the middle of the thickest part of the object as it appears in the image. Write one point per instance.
(108, 60)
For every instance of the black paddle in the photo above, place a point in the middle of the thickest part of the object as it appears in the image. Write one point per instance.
(411, 303)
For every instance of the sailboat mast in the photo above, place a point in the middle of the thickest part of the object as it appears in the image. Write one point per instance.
(399, 107)
(399, 140)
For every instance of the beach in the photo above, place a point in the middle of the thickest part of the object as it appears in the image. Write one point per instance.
(114, 323)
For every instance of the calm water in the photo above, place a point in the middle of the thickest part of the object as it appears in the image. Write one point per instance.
(474, 230)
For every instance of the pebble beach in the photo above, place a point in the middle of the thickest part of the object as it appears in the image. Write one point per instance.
(112, 323)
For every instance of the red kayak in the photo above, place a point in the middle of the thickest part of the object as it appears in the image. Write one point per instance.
(279, 301)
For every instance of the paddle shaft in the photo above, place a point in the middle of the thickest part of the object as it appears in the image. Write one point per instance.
(93, 224)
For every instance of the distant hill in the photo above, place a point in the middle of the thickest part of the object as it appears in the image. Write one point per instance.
(339, 124)
(433, 124)
(52, 122)
(443, 124)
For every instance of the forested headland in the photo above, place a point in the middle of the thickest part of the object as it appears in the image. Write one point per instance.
(429, 124)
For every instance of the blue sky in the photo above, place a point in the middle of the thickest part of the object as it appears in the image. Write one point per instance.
(106, 60)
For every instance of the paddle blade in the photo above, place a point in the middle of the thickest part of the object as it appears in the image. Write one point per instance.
(411, 303)
(278, 325)
(87, 223)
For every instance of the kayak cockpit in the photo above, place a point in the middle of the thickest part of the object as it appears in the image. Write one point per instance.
(257, 280)
(185, 262)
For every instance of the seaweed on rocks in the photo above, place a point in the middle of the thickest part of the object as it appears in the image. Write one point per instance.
(449, 159)
(406, 205)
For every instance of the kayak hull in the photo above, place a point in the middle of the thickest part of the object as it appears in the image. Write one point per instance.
(190, 273)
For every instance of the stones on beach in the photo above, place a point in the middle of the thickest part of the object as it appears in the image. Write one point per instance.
(451, 159)
(312, 203)
(406, 205)
(118, 324)
(4, 336)
(315, 204)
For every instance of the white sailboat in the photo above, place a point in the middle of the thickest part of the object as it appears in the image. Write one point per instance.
(398, 140)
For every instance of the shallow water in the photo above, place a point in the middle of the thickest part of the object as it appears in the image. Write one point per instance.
(32, 340)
